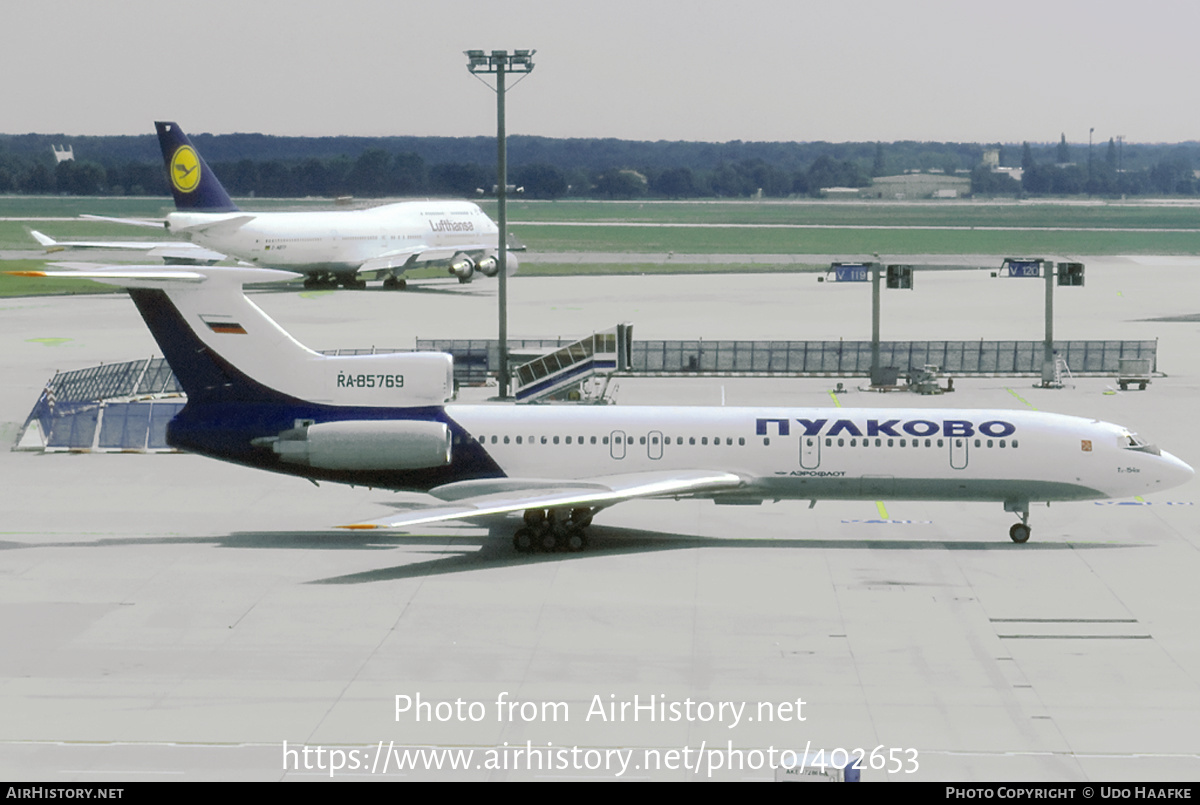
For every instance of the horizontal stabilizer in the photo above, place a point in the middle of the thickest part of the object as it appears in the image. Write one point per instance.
(155, 276)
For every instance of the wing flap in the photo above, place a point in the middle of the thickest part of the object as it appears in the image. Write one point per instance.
(502, 496)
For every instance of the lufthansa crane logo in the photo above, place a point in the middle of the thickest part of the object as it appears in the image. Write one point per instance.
(185, 169)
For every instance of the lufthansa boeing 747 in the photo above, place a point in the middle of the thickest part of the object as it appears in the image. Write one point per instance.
(330, 248)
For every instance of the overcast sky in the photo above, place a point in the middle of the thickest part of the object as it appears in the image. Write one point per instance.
(714, 70)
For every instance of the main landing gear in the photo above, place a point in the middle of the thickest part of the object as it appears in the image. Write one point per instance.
(327, 280)
(550, 530)
(393, 283)
(1019, 533)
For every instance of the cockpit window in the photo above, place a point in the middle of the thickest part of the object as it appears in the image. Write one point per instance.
(1131, 441)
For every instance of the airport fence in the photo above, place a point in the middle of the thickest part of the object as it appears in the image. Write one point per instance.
(853, 358)
(475, 359)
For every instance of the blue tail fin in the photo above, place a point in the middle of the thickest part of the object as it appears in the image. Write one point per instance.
(193, 183)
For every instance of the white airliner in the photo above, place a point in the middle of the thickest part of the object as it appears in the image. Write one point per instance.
(329, 248)
(258, 397)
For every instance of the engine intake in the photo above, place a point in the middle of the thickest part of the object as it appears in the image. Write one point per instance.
(462, 266)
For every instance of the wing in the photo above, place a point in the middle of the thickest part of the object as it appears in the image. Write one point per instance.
(504, 495)
(168, 250)
(155, 223)
(393, 259)
(422, 252)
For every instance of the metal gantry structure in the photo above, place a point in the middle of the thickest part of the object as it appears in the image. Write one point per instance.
(500, 63)
(900, 276)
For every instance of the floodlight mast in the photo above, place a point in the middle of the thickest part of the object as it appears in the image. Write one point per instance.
(499, 63)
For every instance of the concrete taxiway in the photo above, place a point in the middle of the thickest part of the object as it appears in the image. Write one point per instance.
(169, 617)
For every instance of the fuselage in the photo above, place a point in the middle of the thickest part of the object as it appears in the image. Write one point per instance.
(342, 240)
(802, 453)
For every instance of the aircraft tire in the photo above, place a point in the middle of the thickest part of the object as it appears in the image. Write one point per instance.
(576, 541)
(581, 518)
(550, 541)
(1019, 533)
(523, 541)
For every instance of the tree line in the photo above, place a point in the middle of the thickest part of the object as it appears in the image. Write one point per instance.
(546, 168)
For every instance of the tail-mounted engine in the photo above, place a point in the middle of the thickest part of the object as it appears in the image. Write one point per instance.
(363, 444)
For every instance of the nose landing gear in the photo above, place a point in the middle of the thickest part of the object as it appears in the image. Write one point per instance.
(1019, 533)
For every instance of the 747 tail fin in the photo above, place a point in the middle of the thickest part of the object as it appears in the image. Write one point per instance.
(194, 185)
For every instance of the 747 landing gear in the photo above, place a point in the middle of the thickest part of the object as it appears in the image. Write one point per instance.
(394, 283)
(1019, 533)
(550, 530)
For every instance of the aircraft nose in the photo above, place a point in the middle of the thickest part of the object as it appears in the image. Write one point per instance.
(1174, 472)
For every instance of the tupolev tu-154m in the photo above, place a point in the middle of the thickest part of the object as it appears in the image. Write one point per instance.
(329, 248)
(256, 396)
